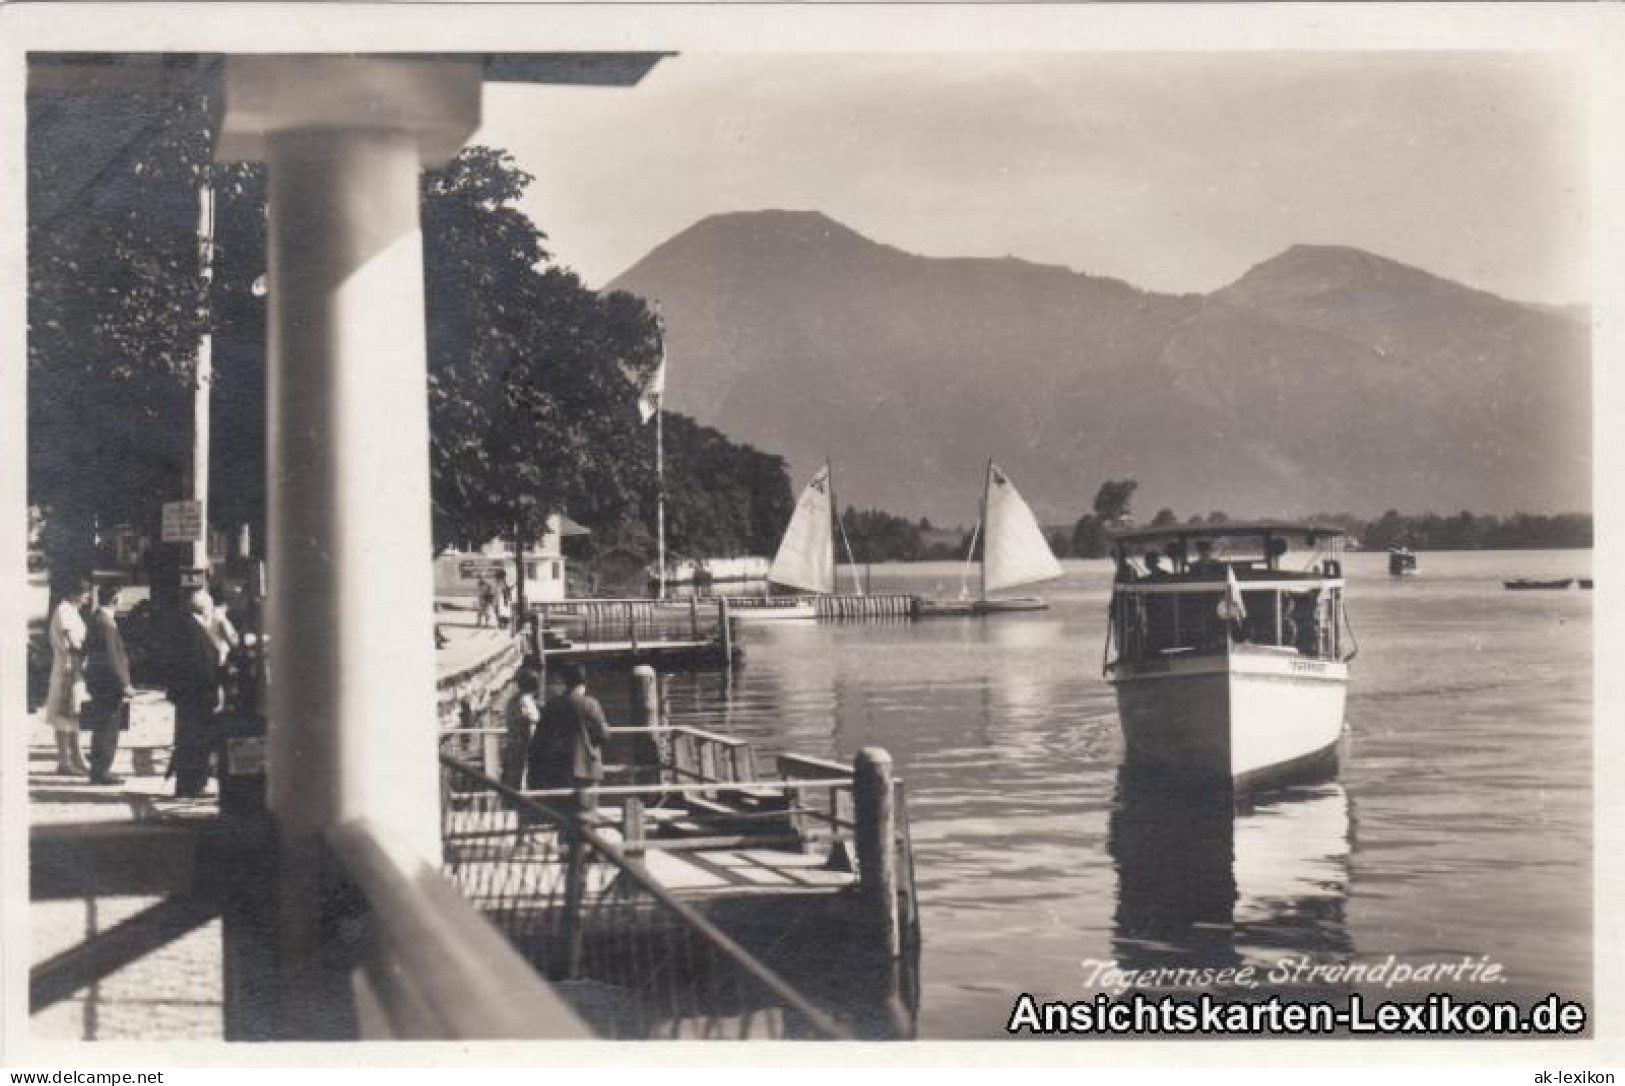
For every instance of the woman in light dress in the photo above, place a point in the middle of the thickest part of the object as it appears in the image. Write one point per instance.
(67, 636)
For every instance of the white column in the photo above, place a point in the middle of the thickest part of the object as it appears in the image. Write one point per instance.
(352, 597)
(353, 731)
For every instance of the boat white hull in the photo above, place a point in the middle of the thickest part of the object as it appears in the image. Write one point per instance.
(778, 612)
(1008, 604)
(1253, 717)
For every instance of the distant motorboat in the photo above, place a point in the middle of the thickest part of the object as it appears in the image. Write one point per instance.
(1401, 561)
(1585, 582)
(1231, 666)
(1014, 553)
(1525, 585)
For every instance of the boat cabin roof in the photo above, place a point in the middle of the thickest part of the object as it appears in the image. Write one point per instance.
(1293, 532)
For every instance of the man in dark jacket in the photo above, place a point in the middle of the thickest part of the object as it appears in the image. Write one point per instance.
(567, 748)
(107, 680)
(194, 687)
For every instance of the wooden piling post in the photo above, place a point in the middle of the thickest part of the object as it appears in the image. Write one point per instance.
(693, 618)
(727, 629)
(875, 831)
(491, 752)
(645, 697)
(632, 829)
(575, 893)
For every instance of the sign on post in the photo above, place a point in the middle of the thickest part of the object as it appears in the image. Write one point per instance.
(183, 522)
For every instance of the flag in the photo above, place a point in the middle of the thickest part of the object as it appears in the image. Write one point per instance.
(1236, 610)
(653, 392)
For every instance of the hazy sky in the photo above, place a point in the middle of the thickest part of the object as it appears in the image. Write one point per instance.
(1174, 172)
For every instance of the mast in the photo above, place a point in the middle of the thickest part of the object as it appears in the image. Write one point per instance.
(835, 511)
(981, 516)
(970, 556)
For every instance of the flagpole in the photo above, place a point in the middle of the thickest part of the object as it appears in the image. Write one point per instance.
(660, 468)
(660, 494)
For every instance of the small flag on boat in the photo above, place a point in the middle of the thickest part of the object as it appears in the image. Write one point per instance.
(653, 392)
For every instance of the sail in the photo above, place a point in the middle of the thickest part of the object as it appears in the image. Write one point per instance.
(806, 557)
(1014, 551)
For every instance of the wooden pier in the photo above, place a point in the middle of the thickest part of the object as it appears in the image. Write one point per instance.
(673, 633)
(807, 871)
(896, 605)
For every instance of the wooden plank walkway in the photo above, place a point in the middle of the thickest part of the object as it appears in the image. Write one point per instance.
(705, 871)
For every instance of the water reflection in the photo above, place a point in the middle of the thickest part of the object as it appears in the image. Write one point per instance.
(1202, 882)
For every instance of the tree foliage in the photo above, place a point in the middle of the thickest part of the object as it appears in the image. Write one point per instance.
(114, 302)
(722, 499)
(1470, 531)
(1112, 504)
(878, 536)
(533, 393)
(532, 383)
(531, 375)
(1112, 500)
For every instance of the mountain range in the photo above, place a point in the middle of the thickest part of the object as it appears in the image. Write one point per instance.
(1324, 379)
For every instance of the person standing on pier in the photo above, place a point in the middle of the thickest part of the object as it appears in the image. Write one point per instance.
(524, 712)
(503, 598)
(567, 750)
(195, 689)
(107, 680)
(66, 631)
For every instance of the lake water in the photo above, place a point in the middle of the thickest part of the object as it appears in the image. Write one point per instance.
(1459, 831)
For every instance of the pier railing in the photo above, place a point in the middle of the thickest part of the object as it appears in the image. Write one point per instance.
(895, 605)
(633, 959)
(636, 621)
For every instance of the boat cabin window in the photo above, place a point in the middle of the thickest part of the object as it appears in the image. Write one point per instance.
(1149, 623)
(1206, 555)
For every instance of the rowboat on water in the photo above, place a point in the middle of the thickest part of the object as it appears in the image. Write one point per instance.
(1231, 661)
(1525, 585)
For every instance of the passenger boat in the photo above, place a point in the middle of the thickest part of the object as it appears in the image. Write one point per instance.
(1014, 553)
(1525, 586)
(1231, 663)
(1401, 561)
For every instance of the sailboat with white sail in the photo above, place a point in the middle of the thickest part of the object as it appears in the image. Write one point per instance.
(1014, 553)
(805, 559)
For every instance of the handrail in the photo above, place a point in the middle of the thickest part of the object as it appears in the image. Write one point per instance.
(634, 874)
(820, 768)
(1348, 624)
(683, 729)
(610, 790)
(442, 971)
